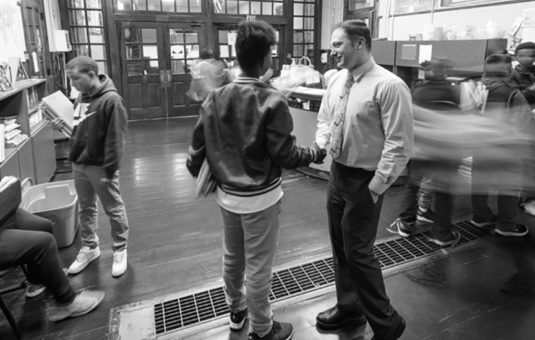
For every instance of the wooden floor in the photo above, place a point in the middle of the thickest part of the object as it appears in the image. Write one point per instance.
(175, 241)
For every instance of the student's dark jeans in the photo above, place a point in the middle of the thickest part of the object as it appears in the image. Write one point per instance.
(508, 181)
(443, 176)
(417, 184)
(27, 239)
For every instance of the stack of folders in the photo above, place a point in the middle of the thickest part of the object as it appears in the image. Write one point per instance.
(205, 183)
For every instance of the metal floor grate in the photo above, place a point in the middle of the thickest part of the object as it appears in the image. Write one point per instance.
(207, 305)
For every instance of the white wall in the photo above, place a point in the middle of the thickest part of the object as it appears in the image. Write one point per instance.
(11, 30)
(332, 13)
(399, 28)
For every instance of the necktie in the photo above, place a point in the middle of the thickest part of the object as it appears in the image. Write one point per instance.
(337, 129)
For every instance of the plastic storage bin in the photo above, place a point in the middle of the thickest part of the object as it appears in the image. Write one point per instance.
(58, 202)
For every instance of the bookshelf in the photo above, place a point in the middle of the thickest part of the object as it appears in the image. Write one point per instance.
(34, 156)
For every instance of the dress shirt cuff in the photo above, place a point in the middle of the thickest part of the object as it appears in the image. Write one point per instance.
(378, 185)
(322, 142)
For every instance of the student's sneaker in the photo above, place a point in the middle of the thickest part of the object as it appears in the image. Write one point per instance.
(425, 216)
(83, 259)
(279, 331)
(402, 228)
(120, 263)
(481, 222)
(237, 320)
(451, 241)
(518, 230)
(528, 207)
(33, 290)
(83, 303)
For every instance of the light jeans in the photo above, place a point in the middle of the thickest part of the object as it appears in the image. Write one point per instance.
(89, 183)
(249, 247)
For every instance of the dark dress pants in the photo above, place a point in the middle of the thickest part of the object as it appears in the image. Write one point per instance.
(27, 239)
(353, 219)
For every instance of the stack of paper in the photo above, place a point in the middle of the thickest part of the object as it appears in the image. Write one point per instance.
(59, 109)
(2, 144)
(12, 134)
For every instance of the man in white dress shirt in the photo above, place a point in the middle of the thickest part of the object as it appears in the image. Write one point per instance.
(365, 121)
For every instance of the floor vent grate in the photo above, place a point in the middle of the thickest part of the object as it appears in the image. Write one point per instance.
(193, 309)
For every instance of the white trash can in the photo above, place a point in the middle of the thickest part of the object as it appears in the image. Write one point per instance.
(58, 202)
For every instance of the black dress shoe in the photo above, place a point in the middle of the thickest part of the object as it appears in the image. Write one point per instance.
(397, 334)
(333, 318)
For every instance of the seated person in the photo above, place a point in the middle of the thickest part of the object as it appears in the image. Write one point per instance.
(26, 239)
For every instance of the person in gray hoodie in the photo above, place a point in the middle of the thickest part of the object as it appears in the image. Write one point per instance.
(97, 145)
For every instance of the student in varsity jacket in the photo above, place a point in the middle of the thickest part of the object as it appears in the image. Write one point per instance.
(244, 133)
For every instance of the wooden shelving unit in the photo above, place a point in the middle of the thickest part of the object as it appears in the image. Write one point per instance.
(35, 157)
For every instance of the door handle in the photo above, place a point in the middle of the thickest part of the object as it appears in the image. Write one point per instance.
(163, 79)
(169, 78)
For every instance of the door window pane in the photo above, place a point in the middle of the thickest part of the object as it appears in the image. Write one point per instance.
(309, 10)
(195, 6)
(278, 9)
(232, 7)
(124, 5)
(177, 67)
(298, 50)
(77, 18)
(267, 8)
(168, 5)
(192, 51)
(81, 50)
(76, 3)
(94, 18)
(134, 68)
(153, 5)
(79, 35)
(98, 52)
(177, 52)
(131, 34)
(96, 35)
(191, 38)
(176, 37)
(256, 7)
(309, 36)
(151, 66)
(139, 5)
(298, 37)
(133, 52)
(148, 35)
(150, 51)
(93, 4)
(182, 6)
(298, 9)
(244, 7)
(298, 23)
(223, 37)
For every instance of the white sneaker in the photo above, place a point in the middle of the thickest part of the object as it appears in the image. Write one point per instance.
(83, 303)
(119, 263)
(32, 290)
(84, 258)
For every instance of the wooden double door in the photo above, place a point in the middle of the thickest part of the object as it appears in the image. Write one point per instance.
(155, 60)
